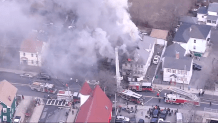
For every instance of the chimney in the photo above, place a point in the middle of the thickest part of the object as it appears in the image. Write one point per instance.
(190, 29)
(177, 55)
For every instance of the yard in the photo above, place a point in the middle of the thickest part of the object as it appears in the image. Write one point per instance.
(160, 14)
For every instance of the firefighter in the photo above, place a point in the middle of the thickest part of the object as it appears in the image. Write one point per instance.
(159, 100)
(202, 93)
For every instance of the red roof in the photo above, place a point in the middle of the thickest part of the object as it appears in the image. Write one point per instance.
(97, 108)
(31, 45)
(85, 90)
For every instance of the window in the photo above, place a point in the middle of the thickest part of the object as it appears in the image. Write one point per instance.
(24, 54)
(202, 16)
(214, 22)
(4, 110)
(32, 62)
(178, 78)
(208, 21)
(194, 47)
(169, 70)
(174, 71)
(179, 71)
(184, 72)
(32, 55)
(4, 118)
(194, 41)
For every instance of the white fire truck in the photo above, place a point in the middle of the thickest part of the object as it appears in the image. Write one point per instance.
(140, 86)
(181, 97)
(43, 87)
(132, 96)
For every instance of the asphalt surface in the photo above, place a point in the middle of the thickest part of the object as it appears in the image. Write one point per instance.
(150, 98)
(22, 84)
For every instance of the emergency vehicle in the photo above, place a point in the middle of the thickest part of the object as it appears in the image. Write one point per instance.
(43, 87)
(181, 97)
(65, 95)
(76, 97)
(131, 96)
(140, 86)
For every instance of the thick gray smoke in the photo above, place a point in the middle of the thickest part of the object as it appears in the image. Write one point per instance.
(79, 31)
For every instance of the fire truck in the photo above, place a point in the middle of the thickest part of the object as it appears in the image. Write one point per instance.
(76, 97)
(43, 87)
(131, 96)
(181, 97)
(65, 95)
(140, 86)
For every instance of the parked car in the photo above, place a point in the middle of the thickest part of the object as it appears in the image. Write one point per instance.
(156, 59)
(28, 75)
(141, 121)
(197, 67)
(163, 114)
(43, 76)
(17, 119)
(154, 120)
(122, 119)
(155, 113)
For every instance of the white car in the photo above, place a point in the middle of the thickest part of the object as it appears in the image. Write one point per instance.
(123, 118)
(156, 59)
(26, 75)
(17, 119)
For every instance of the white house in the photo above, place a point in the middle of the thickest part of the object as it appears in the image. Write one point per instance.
(202, 14)
(31, 52)
(139, 60)
(193, 38)
(212, 14)
(177, 68)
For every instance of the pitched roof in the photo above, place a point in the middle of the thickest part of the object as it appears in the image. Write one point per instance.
(214, 35)
(170, 60)
(202, 10)
(213, 7)
(211, 17)
(161, 34)
(7, 92)
(187, 31)
(86, 89)
(188, 19)
(31, 45)
(97, 108)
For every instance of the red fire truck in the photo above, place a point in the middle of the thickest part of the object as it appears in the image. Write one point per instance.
(181, 97)
(132, 96)
(43, 87)
(140, 86)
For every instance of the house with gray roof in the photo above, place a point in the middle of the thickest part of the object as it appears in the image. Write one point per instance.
(139, 59)
(193, 38)
(176, 66)
(202, 14)
(212, 14)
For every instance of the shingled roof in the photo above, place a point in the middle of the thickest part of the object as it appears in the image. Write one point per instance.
(7, 92)
(86, 89)
(187, 31)
(31, 45)
(97, 108)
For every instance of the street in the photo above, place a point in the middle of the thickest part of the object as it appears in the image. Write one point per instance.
(22, 84)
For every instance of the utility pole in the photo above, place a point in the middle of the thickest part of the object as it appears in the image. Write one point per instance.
(184, 77)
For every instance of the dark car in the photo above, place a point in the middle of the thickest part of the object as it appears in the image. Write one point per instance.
(196, 67)
(154, 120)
(43, 76)
(141, 121)
(163, 114)
(155, 113)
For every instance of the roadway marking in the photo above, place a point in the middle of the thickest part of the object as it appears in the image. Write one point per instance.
(20, 84)
(149, 100)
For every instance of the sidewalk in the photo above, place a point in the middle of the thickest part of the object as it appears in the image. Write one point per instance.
(190, 90)
(16, 71)
(37, 112)
(71, 117)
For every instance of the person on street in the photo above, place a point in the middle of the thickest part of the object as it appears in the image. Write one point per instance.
(159, 100)
(202, 93)
(210, 103)
(22, 97)
(199, 94)
(158, 94)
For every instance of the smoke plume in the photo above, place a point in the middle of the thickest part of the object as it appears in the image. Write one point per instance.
(78, 32)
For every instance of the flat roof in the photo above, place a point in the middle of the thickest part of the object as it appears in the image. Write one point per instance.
(161, 34)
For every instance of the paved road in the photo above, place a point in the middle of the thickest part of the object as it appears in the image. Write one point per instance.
(22, 83)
